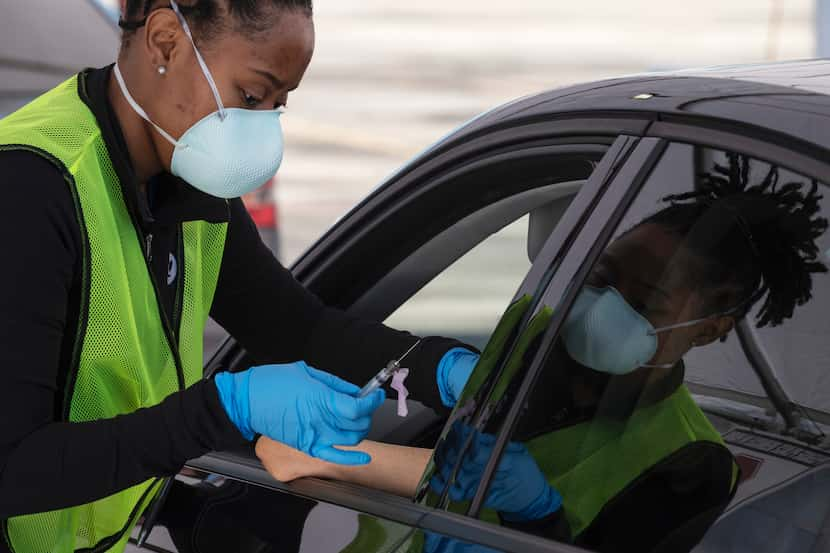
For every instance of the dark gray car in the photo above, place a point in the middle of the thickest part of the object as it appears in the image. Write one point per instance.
(520, 203)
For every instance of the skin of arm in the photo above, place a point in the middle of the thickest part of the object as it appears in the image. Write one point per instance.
(394, 469)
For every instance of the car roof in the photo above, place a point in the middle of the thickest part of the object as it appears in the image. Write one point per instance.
(790, 98)
(811, 75)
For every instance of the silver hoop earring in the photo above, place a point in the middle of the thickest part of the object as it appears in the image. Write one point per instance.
(162, 70)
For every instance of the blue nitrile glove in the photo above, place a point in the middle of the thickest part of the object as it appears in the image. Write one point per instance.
(302, 407)
(454, 370)
(519, 490)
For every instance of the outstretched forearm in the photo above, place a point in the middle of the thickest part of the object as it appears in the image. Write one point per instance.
(395, 469)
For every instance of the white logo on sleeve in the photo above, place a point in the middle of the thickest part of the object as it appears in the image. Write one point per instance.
(172, 270)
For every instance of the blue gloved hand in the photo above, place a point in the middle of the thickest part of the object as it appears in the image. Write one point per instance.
(519, 490)
(302, 407)
(454, 370)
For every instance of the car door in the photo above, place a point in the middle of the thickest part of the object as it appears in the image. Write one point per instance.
(737, 382)
(432, 237)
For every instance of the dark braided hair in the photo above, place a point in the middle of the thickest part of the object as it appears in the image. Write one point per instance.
(752, 240)
(206, 17)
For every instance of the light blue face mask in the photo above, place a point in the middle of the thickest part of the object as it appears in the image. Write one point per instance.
(230, 152)
(603, 332)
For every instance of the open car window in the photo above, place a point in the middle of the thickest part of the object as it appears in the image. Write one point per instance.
(466, 300)
(679, 370)
(478, 257)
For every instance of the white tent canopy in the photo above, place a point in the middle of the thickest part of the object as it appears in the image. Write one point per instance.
(43, 42)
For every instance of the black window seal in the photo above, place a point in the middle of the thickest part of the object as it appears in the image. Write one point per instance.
(806, 163)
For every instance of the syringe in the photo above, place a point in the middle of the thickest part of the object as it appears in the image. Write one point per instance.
(385, 374)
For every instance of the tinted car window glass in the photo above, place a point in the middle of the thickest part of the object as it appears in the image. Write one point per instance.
(614, 451)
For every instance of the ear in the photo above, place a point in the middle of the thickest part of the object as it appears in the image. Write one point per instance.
(714, 329)
(163, 36)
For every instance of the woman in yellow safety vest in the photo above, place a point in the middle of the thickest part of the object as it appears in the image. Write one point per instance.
(123, 232)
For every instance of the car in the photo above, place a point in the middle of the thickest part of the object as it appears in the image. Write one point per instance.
(520, 203)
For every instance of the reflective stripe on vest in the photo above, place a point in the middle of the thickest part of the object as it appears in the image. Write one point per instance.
(122, 359)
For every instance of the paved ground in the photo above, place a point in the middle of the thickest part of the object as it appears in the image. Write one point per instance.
(389, 78)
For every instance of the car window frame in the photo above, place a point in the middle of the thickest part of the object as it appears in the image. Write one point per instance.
(402, 510)
(619, 178)
(604, 222)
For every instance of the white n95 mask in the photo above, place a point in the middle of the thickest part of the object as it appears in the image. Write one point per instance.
(603, 332)
(228, 153)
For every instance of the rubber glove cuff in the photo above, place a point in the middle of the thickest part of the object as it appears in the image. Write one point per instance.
(548, 502)
(454, 370)
(233, 393)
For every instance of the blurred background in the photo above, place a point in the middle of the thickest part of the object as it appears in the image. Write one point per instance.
(390, 78)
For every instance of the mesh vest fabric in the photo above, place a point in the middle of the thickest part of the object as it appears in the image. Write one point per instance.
(592, 462)
(123, 360)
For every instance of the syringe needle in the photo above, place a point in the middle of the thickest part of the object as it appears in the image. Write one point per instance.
(409, 350)
(385, 374)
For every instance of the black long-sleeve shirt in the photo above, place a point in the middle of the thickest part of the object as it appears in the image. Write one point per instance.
(48, 463)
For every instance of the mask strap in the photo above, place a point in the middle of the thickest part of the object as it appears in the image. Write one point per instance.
(138, 109)
(683, 325)
(202, 64)
(751, 299)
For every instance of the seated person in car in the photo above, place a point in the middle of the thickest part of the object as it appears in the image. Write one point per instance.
(613, 454)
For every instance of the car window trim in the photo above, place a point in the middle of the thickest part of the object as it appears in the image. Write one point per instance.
(575, 217)
(379, 504)
(619, 193)
(788, 158)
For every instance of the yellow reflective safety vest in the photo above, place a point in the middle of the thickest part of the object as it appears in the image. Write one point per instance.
(126, 355)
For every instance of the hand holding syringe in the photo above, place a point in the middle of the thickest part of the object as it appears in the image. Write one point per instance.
(383, 377)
